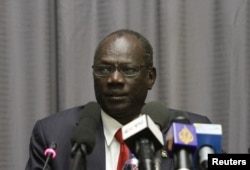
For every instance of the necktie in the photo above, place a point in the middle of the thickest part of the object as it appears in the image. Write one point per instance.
(124, 151)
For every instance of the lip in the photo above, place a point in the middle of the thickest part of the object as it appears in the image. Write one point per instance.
(115, 96)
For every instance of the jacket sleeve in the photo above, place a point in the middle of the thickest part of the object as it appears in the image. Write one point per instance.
(37, 144)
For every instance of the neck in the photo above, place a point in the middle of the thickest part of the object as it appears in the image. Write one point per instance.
(127, 119)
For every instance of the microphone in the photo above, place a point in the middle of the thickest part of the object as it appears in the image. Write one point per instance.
(161, 119)
(181, 142)
(83, 139)
(143, 137)
(50, 153)
(158, 112)
(209, 142)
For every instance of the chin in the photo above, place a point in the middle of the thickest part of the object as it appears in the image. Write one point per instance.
(116, 103)
(116, 108)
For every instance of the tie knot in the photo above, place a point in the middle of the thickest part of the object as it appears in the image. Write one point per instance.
(118, 135)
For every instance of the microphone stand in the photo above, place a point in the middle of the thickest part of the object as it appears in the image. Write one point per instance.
(46, 162)
(145, 150)
(49, 153)
(79, 157)
(183, 160)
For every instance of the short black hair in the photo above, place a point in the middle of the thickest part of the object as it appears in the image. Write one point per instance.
(144, 41)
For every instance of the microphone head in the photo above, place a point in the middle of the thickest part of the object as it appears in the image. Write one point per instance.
(85, 133)
(53, 145)
(158, 112)
(181, 134)
(180, 117)
(142, 127)
(209, 135)
(91, 110)
(209, 138)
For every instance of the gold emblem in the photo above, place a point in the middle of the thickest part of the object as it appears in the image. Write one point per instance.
(185, 135)
(170, 141)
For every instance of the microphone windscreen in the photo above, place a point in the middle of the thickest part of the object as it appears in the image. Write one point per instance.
(86, 131)
(158, 113)
(91, 110)
(180, 117)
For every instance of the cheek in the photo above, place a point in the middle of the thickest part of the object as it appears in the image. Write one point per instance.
(139, 88)
(98, 85)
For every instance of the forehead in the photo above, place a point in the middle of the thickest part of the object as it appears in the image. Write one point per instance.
(121, 48)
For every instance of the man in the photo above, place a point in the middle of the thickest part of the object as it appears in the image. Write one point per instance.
(123, 73)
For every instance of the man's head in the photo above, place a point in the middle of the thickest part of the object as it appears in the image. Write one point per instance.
(123, 73)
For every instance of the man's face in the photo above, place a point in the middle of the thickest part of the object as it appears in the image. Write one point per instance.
(120, 96)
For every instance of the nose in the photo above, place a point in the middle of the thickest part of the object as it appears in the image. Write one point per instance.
(116, 77)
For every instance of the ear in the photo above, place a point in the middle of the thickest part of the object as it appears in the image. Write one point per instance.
(151, 77)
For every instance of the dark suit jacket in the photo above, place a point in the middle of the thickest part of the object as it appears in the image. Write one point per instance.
(59, 128)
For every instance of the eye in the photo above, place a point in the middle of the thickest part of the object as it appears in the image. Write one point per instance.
(103, 69)
(129, 70)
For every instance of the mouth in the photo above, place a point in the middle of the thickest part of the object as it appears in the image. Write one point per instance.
(114, 96)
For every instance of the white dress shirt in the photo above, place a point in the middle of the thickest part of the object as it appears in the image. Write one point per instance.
(112, 146)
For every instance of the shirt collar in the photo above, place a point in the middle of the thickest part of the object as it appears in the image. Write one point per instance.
(110, 127)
